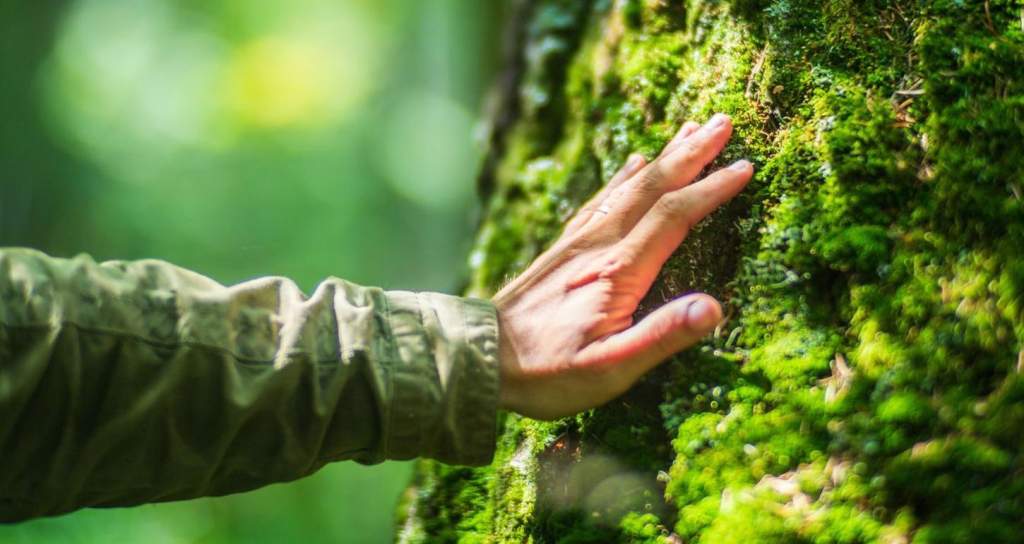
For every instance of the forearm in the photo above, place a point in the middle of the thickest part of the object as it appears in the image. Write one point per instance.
(123, 383)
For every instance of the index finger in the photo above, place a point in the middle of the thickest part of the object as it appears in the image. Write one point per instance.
(661, 231)
(670, 172)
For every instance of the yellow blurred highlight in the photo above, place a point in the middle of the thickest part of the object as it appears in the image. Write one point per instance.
(276, 83)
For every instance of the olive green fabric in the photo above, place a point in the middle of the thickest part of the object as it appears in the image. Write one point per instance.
(130, 382)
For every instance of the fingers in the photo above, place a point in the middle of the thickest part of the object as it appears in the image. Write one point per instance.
(668, 330)
(687, 129)
(613, 190)
(680, 166)
(672, 171)
(633, 165)
(614, 193)
(660, 232)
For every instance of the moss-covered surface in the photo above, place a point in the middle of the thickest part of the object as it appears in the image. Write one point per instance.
(867, 386)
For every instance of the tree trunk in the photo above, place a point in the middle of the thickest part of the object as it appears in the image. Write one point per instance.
(867, 383)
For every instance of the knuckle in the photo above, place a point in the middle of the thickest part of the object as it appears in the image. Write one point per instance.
(652, 178)
(615, 195)
(673, 213)
(675, 206)
(618, 262)
(690, 149)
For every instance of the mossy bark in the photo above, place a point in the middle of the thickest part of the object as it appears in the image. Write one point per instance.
(867, 385)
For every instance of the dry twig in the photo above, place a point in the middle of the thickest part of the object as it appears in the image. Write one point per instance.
(755, 71)
(988, 19)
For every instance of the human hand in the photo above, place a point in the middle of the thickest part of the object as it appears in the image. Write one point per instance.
(567, 338)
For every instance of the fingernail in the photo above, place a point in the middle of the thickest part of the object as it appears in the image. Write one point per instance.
(740, 165)
(700, 314)
(634, 160)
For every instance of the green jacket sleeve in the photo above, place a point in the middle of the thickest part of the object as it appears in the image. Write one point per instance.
(131, 382)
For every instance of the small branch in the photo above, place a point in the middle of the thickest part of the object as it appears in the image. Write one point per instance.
(988, 20)
(759, 65)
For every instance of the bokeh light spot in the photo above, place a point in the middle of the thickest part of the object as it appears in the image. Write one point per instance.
(426, 150)
(273, 82)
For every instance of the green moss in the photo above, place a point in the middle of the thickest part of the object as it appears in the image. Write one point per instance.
(869, 384)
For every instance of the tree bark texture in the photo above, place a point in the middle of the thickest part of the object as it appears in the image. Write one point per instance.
(867, 384)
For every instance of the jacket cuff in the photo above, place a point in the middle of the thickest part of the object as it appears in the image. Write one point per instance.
(443, 378)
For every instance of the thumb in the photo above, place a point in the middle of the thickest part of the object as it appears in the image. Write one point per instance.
(665, 332)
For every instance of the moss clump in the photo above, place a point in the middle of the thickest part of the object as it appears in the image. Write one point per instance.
(868, 384)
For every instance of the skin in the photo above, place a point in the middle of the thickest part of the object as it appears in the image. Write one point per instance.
(568, 341)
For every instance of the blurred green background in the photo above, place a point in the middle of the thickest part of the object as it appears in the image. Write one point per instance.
(303, 138)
